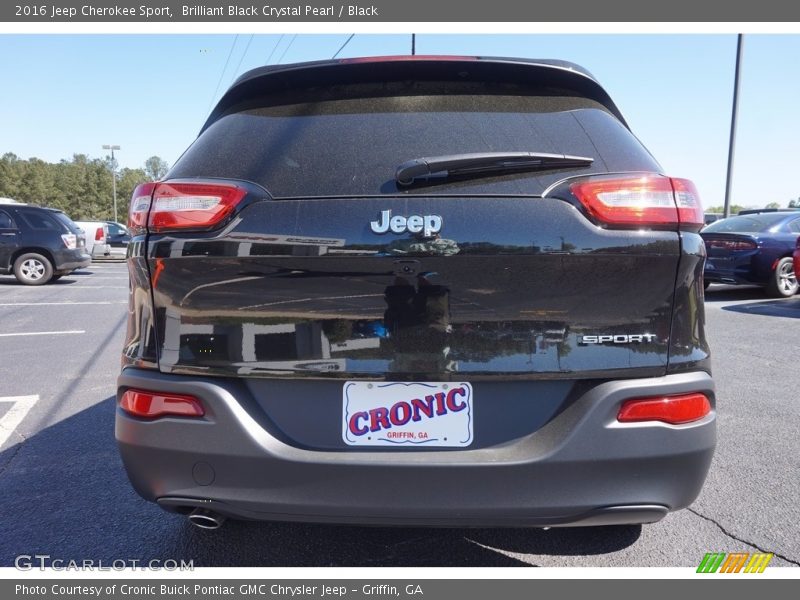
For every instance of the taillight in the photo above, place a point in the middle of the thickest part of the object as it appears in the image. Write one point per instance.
(643, 200)
(70, 240)
(675, 410)
(140, 205)
(690, 209)
(731, 244)
(192, 205)
(152, 405)
(99, 235)
(796, 257)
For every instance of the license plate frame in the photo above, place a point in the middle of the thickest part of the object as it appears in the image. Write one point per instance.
(402, 414)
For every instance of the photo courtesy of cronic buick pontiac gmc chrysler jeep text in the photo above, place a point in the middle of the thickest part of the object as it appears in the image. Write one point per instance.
(417, 290)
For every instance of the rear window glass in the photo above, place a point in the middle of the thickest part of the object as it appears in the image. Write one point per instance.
(114, 229)
(6, 222)
(352, 146)
(746, 224)
(66, 221)
(42, 220)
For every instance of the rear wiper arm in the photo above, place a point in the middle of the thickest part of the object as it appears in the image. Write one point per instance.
(484, 162)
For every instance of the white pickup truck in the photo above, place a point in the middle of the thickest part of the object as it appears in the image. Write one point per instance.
(96, 237)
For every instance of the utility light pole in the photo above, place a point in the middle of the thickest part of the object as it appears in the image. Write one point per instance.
(726, 210)
(113, 147)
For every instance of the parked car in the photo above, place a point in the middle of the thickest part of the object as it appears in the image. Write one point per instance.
(438, 291)
(758, 211)
(709, 218)
(39, 244)
(96, 237)
(754, 248)
(118, 238)
(797, 258)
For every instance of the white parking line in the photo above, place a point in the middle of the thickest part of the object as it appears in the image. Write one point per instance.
(41, 333)
(59, 303)
(11, 420)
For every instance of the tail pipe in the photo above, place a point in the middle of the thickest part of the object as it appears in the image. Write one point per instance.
(206, 519)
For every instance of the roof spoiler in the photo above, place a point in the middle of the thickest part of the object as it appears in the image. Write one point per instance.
(280, 78)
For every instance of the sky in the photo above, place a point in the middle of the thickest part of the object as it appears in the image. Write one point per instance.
(67, 93)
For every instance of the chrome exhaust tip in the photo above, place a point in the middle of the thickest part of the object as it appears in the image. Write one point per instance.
(206, 519)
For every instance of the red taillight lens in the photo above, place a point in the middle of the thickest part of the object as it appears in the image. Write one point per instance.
(70, 240)
(99, 235)
(690, 210)
(675, 410)
(640, 200)
(152, 405)
(731, 244)
(140, 205)
(192, 205)
(796, 257)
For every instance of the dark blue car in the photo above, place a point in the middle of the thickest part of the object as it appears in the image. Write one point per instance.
(754, 248)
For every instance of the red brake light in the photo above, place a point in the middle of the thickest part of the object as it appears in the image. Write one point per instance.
(70, 240)
(675, 410)
(140, 205)
(796, 257)
(405, 58)
(690, 210)
(640, 200)
(152, 405)
(192, 205)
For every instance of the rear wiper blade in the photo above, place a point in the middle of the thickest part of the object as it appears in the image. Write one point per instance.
(484, 162)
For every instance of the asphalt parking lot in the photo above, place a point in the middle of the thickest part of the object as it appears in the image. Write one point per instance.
(63, 491)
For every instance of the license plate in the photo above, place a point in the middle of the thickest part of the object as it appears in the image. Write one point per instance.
(403, 414)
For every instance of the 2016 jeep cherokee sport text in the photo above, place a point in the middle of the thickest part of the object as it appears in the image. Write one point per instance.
(417, 290)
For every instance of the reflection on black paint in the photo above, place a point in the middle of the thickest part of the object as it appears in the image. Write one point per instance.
(504, 292)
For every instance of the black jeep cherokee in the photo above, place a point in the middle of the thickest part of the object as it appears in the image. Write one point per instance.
(39, 244)
(417, 290)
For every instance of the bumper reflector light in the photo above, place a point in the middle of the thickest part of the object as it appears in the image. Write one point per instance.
(675, 410)
(152, 405)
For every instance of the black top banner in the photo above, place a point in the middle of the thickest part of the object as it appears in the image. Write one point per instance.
(438, 11)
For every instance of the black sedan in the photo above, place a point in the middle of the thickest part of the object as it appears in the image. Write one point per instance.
(754, 248)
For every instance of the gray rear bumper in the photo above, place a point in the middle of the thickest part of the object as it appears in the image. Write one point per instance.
(581, 468)
(69, 260)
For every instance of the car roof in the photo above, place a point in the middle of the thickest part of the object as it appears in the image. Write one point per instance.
(281, 78)
(770, 218)
(758, 211)
(24, 206)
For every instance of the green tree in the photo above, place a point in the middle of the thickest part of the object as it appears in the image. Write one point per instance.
(735, 208)
(155, 167)
(794, 203)
(10, 175)
(80, 186)
(773, 205)
(127, 181)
